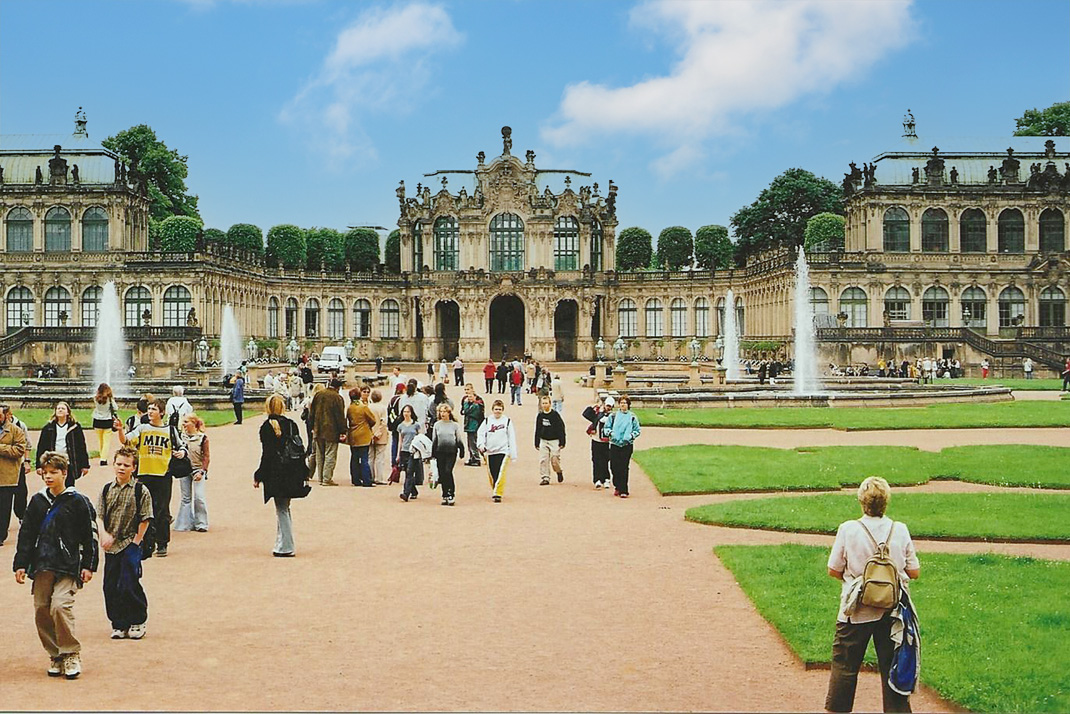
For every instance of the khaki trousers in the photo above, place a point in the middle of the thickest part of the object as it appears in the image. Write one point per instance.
(380, 461)
(53, 604)
(549, 457)
(326, 458)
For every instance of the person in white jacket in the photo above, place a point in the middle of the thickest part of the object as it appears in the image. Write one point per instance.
(496, 440)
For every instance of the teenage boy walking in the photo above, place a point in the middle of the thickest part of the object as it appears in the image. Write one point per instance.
(154, 448)
(549, 440)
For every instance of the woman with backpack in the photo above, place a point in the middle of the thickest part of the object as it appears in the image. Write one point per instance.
(857, 543)
(63, 434)
(282, 470)
(623, 429)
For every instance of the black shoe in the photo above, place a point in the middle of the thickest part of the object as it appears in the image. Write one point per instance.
(161, 552)
(560, 476)
(497, 499)
(103, 463)
(283, 555)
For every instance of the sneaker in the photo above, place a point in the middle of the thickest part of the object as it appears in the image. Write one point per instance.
(497, 499)
(161, 552)
(413, 496)
(55, 666)
(545, 481)
(624, 495)
(560, 476)
(72, 666)
(597, 485)
(332, 482)
(449, 501)
(103, 462)
(404, 497)
(136, 632)
(445, 501)
(616, 492)
(118, 634)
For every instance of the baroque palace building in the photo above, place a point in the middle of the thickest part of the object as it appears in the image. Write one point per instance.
(945, 253)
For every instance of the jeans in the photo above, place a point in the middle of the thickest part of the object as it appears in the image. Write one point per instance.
(458, 377)
(7, 499)
(192, 508)
(284, 531)
(619, 460)
(414, 474)
(360, 471)
(489, 387)
(473, 450)
(326, 458)
(848, 649)
(238, 406)
(514, 395)
(160, 532)
(394, 443)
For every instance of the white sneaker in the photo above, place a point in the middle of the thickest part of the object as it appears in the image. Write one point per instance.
(72, 666)
(136, 632)
(118, 634)
(597, 485)
(55, 666)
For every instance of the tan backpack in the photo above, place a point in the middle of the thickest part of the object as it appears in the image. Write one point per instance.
(880, 579)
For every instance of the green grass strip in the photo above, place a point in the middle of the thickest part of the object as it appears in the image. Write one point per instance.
(36, 418)
(699, 468)
(994, 628)
(1020, 383)
(935, 416)
(1029, 517)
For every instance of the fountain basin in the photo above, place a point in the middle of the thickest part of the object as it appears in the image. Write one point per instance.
(846, 395)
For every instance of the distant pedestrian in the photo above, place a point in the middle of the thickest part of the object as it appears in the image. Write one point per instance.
(327, 419)
(282, 472)
(496, 440)
(623, 428)
(473, 411)
(458, 371)
(489, 371)
(430, 371)
(1066, 375)
(557, 394)
(13, 451)
(549, 441)
(105, 411)
(63, 434)
(193, 507)
(502, 374)
(443, 370)
(378, 365)
(516, 382)
(596, 416)
(237, 397)
(360, 420)
(408, 430)
(1027, 367)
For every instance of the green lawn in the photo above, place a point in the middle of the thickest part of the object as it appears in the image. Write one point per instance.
(985, 516)
(936, 416)
(699, 468)
(37, 418)
(994, 628)
(10, 381)
(1027, 385)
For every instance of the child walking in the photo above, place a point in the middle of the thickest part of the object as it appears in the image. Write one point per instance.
(447, 444)
(496, 440)
(549, 440)
(58, 549)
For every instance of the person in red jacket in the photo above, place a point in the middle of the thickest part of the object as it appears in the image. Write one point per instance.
(490, 370)
(516, 381)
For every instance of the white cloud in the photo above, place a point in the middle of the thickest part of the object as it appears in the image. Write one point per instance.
(737, 57)
(378, 64)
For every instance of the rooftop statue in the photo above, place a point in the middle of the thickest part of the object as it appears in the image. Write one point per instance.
(507, 140)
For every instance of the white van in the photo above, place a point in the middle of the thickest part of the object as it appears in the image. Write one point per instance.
(333, 358)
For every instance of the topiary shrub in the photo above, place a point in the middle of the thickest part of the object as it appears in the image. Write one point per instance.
(362, 250)
(246, 236)
(286, 246)
(178, 234)
(634, 249)
(676, 248)
(326, 246)
(393, 252)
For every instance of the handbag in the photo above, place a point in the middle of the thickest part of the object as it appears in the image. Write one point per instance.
(395, 474)
(178, 467)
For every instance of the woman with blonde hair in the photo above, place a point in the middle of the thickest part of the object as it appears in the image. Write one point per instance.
(193, 510)
(283, 474)
(105, 412)
(63, 434)
(380, 449)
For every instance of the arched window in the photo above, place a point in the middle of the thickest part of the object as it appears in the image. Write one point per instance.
(19, 308)
(1052, 307)
(91, 297)
(678, 317)
(57, 230)
(291, 317)
(597, 246)
(312, 318)
(273, 318)
(1011, 305)
(1011, 231)
(417, 247)
(138, 299)
(655, 324)
(974, 307)
(566, 243)
(95, 230)
(896, 230)
(627, 319)
(702, 317)
(336, 319)
(506, 242)
(19, 231)
(57, 307)
(855, 304)
(177, 303)
(1052, 231)
(934, 302)
(819, 301)
(934, 231)
(446, 235)
(389, 319)
(897, 303)
(973, 231)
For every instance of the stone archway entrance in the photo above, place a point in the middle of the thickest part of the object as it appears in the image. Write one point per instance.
(448, 317)
(506, 327)
(565, 319)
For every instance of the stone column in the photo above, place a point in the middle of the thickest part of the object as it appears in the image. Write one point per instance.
(1031, 216)
(38, 228)
(915, 229)
(992, 318)
(992, 231)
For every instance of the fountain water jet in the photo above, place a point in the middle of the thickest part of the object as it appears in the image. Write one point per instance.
(730, 358)
(230, 347)
(109, 348)
(805, 369)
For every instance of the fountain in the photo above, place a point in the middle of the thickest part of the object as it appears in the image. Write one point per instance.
(109, 347)
(805, 369)
(730, 358)
(230, 346)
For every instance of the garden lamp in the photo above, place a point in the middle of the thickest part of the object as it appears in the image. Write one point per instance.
(600, 348)
(695, 348)
(618, 348)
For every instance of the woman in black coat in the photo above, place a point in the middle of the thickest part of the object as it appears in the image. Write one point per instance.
(283, 478)
(73, 446)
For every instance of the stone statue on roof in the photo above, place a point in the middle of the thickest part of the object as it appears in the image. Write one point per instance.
(507, 140)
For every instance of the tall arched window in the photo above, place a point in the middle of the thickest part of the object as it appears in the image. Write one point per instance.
(446, 235)
(362, 318)
(702, 317)
(627, 319)
(19, 308)
(655, 321)
(506, 242)
(855, 304)
(1052, 307)
(1011, 231)
(417, 247)
(57, 307)
(566, 243)
(273, 317)
(389, 319)
(934, 231)
(1011, 305)
(91, 297)
(1052, 231)
(974, 307)
(290, 316)
(19, 230)
(973, 231)
(896, 230)
(95, 230)
(336, 319)
(177, 303)
(138, 299)
(678, 317)
(897, 303)
(597, 246)
(57, 230)
(312, 318)
(934, 302)
(819, 301)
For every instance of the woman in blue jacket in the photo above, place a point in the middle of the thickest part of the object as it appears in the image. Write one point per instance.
(622, 427)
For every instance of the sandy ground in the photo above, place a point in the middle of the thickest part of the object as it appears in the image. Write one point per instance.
(560, 598)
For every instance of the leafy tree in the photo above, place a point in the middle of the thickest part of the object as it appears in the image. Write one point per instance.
(286, 246)
(825, 231)
(326, 245)
(214, 235)
(393, 252)
(154, 234)
(362, 249)
(1053, 121)
(178, 234)
(713, 248)
(634, 249)
(165, 170)
(246, 236)
(779, 216)
(676, 248)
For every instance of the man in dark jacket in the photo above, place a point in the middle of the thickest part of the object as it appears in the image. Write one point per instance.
(327, 420)
(473, 410)
(549, 440)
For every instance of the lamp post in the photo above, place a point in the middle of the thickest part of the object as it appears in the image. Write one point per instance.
(619, 348)
(620, 375)
(349, 349)
(251, 349)
(600, 349)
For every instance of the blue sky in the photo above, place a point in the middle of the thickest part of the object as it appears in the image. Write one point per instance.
(309, 112)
